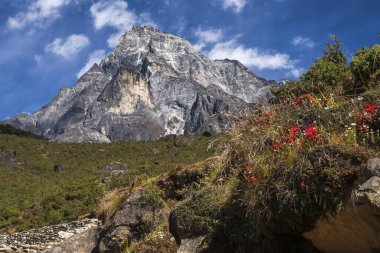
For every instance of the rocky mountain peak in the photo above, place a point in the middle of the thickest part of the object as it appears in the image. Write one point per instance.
(152, 84)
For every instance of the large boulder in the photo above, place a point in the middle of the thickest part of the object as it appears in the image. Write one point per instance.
(131, 222)
(356, 229)
(84, 242)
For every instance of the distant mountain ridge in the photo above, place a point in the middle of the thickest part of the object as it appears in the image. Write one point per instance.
(153, 84)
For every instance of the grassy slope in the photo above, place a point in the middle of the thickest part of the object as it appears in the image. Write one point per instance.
(38, 196)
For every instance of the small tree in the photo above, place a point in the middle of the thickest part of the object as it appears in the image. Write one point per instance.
(365, 66)
(329, 73)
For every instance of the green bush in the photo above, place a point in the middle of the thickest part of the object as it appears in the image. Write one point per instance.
(152, 199)
(365, 66)
(329, 73)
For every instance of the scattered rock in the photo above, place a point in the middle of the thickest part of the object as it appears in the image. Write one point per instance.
(117, 173)
(115, 166)
(58, 167)
(114, 170)
(8, 158)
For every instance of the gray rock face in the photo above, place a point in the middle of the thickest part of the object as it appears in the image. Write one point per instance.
(153, 84)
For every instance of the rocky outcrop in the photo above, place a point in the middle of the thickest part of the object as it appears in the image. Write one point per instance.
(153, 84)
(356, 229)
(83, 242)
(131, 222)
(78, 235)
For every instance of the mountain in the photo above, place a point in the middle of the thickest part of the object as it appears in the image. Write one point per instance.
(153, 84)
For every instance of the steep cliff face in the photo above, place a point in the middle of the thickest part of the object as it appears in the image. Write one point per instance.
(152, 84)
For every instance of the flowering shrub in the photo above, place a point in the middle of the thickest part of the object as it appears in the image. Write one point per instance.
(307, 97)
(293, 135)
(366, 116)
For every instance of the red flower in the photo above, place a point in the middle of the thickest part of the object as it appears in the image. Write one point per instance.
(308, 96)
(248, 168)
(263, 121)
(311, 132)
(289, 138)
(268, 114)
(276, 145)
(299, 99)
(371, 108)
(302, 185)
(294, 130)
(252, 180)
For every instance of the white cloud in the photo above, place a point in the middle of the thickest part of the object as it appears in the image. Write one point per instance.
(296, 72)
(301, 41)
(207, 36)
(116, 14)
(39, 14)
(253, 57)
(38, 59)
(95, 57)
(210, 35)
(68, 48)
(236, 5)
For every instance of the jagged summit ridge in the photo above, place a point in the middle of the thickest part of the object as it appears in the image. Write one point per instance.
(152, 84)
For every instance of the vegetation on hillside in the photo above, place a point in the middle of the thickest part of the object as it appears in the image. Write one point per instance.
(289, 163)
(35, 194)
(295, 159)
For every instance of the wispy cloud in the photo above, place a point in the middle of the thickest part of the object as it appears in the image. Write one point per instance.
(95, 57)
(39, 14)
(236, 5)
(207, 36)
(254, 57)
(68, 48)
(38, 59)
(303, 42)
(116, 14)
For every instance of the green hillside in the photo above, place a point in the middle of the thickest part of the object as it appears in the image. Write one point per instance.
(34, 194)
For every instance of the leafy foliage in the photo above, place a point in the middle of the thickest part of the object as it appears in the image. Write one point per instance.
(365, 66)
(152, 199)
(328, 73)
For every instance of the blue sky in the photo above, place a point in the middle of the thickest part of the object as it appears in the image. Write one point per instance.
(46, 44)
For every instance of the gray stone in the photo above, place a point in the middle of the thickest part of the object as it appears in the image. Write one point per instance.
(115, 166)
(370, 192)
(84, 242)
(153, 84)
(8, 158)
(129, 224)
(117, 173)
(191, 245)
(373, 165)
